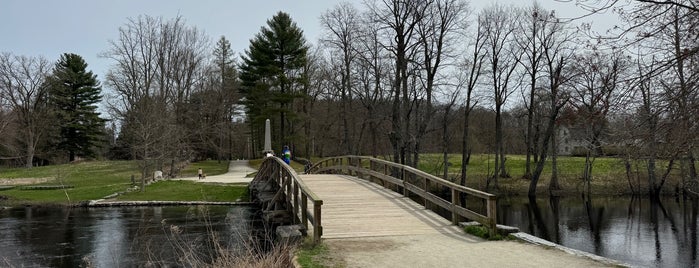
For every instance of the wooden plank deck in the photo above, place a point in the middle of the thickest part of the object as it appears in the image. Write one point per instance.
(354, 208)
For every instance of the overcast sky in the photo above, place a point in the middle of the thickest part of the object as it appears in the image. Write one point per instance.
(84, 27)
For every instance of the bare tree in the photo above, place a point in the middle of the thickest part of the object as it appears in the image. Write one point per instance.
(342, 26)
(594, 96)
(400, 18)
(503, 57)
(438, 32)
(157, 64)
(556, 51)
(528, 40)
(23, 87)
(372, 75)
(473, 70)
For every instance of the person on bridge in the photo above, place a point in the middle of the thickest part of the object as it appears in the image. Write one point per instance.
(286, 155)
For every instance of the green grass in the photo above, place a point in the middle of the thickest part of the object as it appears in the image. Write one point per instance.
(209, 167)
(311, 256)
(482, 232)
(90, 180)
(188, 191)
(96, 179)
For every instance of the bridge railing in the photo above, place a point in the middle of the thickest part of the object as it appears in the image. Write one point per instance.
(296, 192)
(397, 174)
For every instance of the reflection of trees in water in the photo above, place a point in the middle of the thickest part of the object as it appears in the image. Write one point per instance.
(125, 237)
(595, 219)
(637, 230)
(538, 218)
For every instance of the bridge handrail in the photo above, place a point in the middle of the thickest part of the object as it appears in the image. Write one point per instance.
(295, 190)
(349, 163)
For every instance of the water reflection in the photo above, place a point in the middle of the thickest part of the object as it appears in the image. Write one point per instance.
(119, 237)
(646, 232)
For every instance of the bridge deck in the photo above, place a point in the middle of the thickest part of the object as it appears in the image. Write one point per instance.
(356, 208)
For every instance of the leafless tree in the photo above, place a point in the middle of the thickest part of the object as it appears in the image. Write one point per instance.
(473, 65)
(400, 20)
(438, 32)
(528, 40)
(595, 93)
(372, 72)
(23, 88)
(342, 26)
(157, 63)
(503, 57)
(557, 52)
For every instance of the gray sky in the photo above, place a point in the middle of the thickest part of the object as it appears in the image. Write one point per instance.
(84, 27)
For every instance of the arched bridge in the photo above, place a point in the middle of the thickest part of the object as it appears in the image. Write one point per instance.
(355, 196)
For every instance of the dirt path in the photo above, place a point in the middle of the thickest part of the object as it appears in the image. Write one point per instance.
(445, 251)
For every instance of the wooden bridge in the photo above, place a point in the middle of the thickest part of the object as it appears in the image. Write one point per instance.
(354, 196)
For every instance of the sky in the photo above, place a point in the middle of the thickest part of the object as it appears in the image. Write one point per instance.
(50, 28)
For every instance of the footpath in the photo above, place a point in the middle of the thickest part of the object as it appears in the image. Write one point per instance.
(237, 173)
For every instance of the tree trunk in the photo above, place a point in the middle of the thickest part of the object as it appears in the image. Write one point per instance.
(553, 184)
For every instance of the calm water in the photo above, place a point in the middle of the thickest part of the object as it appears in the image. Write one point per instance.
(636, 231)
(119, 237)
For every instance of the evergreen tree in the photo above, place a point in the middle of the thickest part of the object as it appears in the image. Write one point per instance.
(74, 93)
(271, 75)
(226, 87)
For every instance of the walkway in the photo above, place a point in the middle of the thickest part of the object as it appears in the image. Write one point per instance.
(365, 225)
(237, 172)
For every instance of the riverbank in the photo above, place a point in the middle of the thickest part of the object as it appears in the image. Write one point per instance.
(609, 176)
(93, 180)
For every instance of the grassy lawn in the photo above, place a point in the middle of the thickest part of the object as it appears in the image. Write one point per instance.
(188, 191)
(90, 180)
(209, 167)
(97, 179)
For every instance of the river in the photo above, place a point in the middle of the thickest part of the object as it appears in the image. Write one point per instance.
(122, 236)
(637, 231)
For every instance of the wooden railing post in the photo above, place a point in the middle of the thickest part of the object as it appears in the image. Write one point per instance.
(294, 219)
(317, 227)
(492, 213)
(405, 182)
(359, 166)
(427, 188)
(454, 204)
(304, 210)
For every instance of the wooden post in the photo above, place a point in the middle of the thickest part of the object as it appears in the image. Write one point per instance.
(359, 166)
(317, 227)
(427, 188)
(454, 204)
(304, 210)
(405, 183)
(492, 214)
(294, 219)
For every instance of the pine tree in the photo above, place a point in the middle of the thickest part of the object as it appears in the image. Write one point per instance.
(271, 74)
(74, 93)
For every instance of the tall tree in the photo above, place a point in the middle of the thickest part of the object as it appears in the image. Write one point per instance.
(157, 66)
(23, 87)
(503, 58)
(342, 25)
(529, 42)
(226, 88)
(75, 92)
(272, 74)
